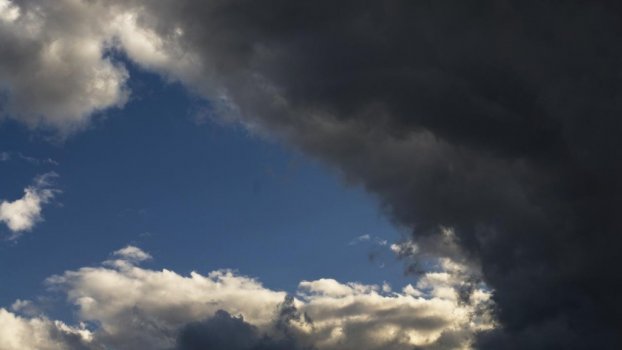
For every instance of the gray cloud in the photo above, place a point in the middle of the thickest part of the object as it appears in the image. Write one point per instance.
(224, 332)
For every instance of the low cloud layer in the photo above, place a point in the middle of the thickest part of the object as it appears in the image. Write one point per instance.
(125, 306)
(22, 214)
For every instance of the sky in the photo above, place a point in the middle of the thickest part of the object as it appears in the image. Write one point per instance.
(242, 174)
(196, 194)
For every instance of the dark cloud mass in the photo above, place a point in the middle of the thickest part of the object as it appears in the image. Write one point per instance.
(219, 332)
(226, 332)
(500, 119)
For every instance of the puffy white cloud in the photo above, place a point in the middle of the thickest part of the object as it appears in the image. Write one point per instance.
(141, 308)
(135, 307)
(39, 333)
(58, 68)
(22, 214)
(355, 316)
(54, 68)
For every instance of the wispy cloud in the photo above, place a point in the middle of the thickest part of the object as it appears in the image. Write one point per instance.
(7, 156)
(369, 238)
(37, 161)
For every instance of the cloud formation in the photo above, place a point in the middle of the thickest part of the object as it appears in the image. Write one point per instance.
(39, 333)
(23, 214)
(499, 120)
(130, 307)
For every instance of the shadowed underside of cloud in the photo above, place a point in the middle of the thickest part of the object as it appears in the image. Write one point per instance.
(124, 306)
(500, 120)
(224, 332)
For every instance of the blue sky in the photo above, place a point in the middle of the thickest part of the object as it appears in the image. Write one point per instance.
(196, 195)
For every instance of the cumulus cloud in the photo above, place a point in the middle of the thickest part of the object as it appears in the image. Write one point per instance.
(53, 70)
(130, 307)
(40, 333)
(24, 213)
(58, 69)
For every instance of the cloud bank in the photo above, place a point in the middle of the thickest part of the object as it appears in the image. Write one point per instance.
(124, 306)
(500, 120)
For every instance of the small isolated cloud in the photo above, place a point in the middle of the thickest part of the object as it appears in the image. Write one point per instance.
(369, 238)
(359, 239)
(131, 307)
(132, 254)
(127, 257)
(23, 214)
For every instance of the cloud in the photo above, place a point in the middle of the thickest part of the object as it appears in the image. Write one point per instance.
(225, 332)
(368, 238)
(7, 156)
(37, 161)
(130, 307)
(23, 214)
(54, 70)
(499, 121)
(19, 333)
(58, 67)
(359, 239)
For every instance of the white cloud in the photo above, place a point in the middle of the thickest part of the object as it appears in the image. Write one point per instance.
(138, 308)
(57, 68)
(22, 214)
(39, 333)
(359, 239)
(53, 64)
(369, 238)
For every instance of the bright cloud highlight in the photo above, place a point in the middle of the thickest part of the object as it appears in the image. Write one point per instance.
(23, 214)
(139, 308)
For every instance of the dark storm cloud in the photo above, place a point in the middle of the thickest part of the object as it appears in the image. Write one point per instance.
(499, 119)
